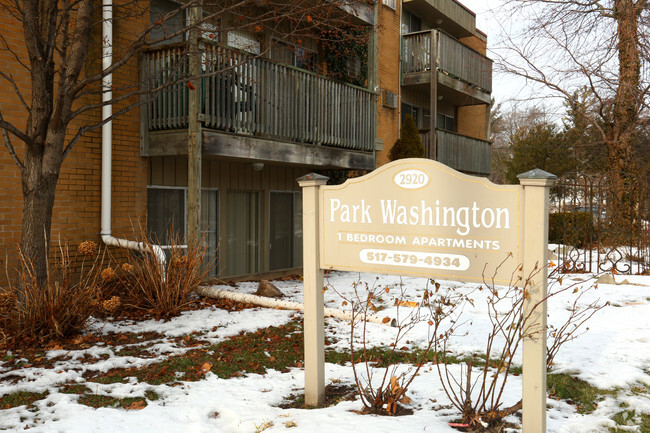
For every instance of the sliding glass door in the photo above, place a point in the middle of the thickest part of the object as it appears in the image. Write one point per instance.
(243, 233)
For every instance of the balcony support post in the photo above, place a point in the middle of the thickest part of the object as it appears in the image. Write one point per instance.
(488, 124)
(372, 52)
(432, 151)
(194, 141)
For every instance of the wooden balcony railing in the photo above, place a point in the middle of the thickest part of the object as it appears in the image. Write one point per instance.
(453, 58)
(256, 96)
(458, 151)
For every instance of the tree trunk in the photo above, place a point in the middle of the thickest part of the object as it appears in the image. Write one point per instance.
(39, 186)
(622, 202)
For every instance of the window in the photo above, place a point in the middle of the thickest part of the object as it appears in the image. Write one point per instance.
(426, 119)
(413, 111)
(243, 41)
(166, 219)
(243, 232)
(210, 29)
(210, 229)
(410, 23)
(166, 215)
(160, 11)
(285, 230)
(446, 122)
(294, 55)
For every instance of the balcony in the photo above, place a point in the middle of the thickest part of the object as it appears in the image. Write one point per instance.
(460, 70)
(459, 152)
(450, 15)
(253, 108)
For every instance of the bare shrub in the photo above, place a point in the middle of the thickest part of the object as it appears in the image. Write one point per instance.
(164, 288)
(477, 391)
(383, 390)
(31, 313)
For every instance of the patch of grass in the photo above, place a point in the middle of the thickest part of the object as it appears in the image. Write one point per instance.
(630, 418)
(21, 398)
(380, 357)
(75, 389)
(151, 395)
(88, 398)
(140, 351)
(278, 347)
(574, 391)
(7, 357)
(94, 400)
(113, 376)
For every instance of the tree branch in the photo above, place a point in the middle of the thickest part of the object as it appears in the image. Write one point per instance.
(11, 80)
(7, 142)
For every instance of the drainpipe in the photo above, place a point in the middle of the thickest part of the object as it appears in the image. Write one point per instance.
(107, 144)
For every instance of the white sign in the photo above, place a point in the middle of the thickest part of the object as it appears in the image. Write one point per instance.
(419, 217)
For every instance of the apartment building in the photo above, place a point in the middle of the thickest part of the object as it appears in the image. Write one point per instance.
(447, 82)
(266, 110)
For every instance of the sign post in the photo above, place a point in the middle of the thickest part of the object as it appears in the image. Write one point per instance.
(314, 326)
(418, 217)
(536, 184)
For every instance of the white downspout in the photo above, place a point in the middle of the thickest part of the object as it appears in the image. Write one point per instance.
(107, 144)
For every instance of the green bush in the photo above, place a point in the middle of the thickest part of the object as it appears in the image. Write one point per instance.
(410, 144)
(571, 228)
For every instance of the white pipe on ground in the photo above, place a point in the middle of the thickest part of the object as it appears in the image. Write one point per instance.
(212, 292)
(107, 144)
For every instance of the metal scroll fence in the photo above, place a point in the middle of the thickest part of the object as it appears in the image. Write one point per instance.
(601, 223)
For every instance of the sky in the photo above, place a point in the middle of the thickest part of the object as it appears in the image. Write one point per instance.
(490, 17)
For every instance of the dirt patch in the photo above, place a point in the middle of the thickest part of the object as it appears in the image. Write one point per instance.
(334, 394)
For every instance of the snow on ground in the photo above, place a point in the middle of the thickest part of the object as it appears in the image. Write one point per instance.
(613, 355)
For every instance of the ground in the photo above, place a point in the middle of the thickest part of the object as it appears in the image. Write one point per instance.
(225, 367)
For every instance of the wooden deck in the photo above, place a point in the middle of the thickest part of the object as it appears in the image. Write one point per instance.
(255, 97)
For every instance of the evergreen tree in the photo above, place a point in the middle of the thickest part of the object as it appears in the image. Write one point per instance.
(410, 144)
(539, 146)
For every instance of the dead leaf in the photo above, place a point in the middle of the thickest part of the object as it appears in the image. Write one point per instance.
(137, 405)
(405, 400)
(385, 320)
(403, 303)
(206, 367)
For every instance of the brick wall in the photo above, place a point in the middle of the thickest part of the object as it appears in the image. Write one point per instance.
(76, 215)
(11, 108)
(388, 77)
(472, 121)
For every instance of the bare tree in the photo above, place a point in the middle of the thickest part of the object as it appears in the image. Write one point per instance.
(61, 57)
(601, 44)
